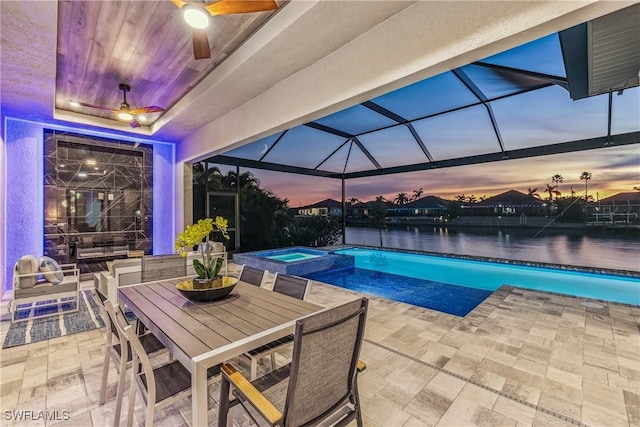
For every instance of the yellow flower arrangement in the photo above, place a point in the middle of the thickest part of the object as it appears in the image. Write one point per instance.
(197, 233)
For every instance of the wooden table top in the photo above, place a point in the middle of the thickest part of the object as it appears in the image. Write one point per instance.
(195, 328)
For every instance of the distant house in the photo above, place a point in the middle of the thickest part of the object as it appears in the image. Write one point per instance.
(621, 207)
(327, 207)
(511, 202)
(363, 209)
(426, 206)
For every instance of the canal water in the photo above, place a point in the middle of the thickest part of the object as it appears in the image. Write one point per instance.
(618, 250)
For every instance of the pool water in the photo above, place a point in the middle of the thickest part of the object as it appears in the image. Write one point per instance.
(293, 256)
(444, 297)
(490, 276)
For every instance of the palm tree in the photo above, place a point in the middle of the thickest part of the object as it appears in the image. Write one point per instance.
(557, 179)
(401, 199)
(586, 176)
(472, 199)
(573, 193)
(533, 192)
(417, 194)
(551, 189)
(354, 201)
(461, 198)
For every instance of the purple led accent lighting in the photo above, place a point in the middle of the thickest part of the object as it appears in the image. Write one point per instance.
(23, 145)
(3, 205)
(163, 198)
(24, 192)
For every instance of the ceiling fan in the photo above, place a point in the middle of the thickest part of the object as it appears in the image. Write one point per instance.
(197, 15)
(125, 112)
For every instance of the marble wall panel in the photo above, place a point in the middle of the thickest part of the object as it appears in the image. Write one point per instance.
(112, 197)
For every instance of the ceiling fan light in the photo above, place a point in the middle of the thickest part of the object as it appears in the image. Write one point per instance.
(125, 115)
(195, 17)
(74, 103)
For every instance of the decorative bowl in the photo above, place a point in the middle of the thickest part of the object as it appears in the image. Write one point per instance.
(210, 294)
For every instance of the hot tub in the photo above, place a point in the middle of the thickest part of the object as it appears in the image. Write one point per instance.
(297, 260)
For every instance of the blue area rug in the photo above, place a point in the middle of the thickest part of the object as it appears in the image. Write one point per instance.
(40, 329)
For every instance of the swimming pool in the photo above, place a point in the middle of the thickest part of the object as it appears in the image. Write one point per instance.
(293, 256)
(444, 297)
(490, 276)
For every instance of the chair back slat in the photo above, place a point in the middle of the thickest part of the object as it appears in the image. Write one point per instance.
(158, 267)
(295, 287)
(252, 275)
(325, 355)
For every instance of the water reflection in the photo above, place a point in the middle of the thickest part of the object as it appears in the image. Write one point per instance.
(599, 249)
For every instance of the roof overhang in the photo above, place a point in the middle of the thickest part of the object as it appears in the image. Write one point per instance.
(603, 55)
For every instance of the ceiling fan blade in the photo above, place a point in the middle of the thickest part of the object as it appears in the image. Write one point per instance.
(226, 7)
(179, 3)
(201, 49)
(134, 124)
(147, 110)
(84, 104)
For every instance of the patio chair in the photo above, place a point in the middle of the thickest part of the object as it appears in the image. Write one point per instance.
(158, 267)
(320, 383)
(254, 276)
(121, 355)
(295, 287)
(160, 386)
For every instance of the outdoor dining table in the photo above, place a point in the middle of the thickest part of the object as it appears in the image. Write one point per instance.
(203, 334)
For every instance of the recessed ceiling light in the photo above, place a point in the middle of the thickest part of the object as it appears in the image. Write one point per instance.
(82, 175)
(96, 168)
(61, 166)
(196, 17)
(74, 103)
(142, 118)
(90, 162)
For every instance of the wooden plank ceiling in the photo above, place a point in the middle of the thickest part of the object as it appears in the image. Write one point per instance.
(145, 44)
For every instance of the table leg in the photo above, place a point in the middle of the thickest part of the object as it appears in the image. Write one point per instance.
(200, 395)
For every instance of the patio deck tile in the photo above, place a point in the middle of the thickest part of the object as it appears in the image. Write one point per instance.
(520, 358)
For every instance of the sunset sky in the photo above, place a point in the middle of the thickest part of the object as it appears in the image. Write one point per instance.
(614, 170)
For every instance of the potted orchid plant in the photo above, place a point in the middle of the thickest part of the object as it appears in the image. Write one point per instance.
(208, 268)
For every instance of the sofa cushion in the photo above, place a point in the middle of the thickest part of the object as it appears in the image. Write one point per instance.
(28, 264)
(46, 289)
(51, 270)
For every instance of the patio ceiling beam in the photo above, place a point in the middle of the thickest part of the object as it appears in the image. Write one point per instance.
(328, 129)
(366, 152)
(560, 148)
(477, 92)
(548, 78)
(256, 164)
(332, 153)
(401, 120)
(338, 132)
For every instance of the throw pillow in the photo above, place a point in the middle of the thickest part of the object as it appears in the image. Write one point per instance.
(28, 264)
(51, 270)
